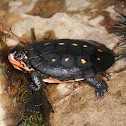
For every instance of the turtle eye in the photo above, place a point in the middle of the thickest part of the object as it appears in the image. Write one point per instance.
(19, 56)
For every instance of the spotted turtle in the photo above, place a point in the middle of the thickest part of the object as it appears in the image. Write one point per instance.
(55, 61)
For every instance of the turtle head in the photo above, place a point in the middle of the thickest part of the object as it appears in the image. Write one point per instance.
(19, 60)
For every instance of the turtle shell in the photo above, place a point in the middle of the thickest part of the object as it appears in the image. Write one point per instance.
(70, 59)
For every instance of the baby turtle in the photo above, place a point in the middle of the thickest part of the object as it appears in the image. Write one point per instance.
(55, 61)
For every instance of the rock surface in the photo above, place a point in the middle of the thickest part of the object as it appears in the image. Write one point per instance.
(76, 104)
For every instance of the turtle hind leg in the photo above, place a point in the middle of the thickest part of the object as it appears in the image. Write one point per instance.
(99, 84)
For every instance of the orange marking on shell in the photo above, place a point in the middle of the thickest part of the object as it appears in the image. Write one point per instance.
(83, 61)
(25, 57)
(66, 59)
(53, 60)
(98, 59)
(65, 71)
(47, 43)
(84, 45)
(99, 50)
(53, 80)
(61, 43)
(74, 44)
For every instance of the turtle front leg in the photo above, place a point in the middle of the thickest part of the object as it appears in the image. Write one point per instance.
(37, 81)
(99, 84)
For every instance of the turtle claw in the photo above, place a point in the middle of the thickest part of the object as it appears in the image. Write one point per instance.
(33, 87)
(100, 91)
(99, 84)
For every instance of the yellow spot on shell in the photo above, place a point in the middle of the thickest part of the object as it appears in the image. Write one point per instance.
(65, 71)
(47, 43)
(84, 45)
(74, 44)
(53, 60)
(99, 50)
(61, 43)
(66, 59)
(98, 58)
(83, 61)
(25, 57)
